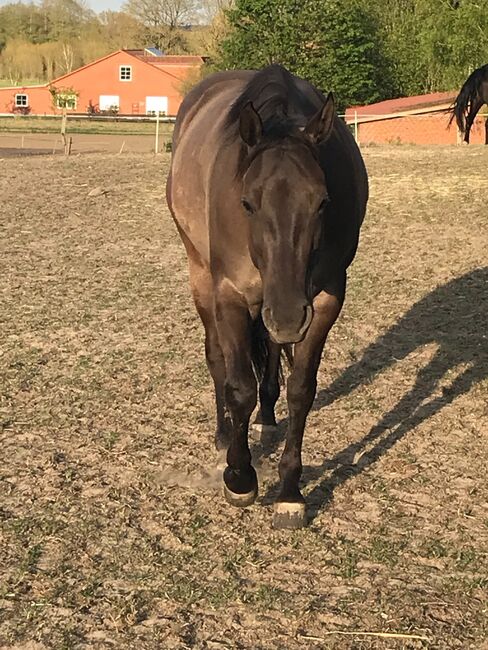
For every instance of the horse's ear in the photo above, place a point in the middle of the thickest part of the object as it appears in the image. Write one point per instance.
(250, 125)
(320, 126)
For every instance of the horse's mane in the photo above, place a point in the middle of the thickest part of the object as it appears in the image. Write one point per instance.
(478, 75)
(271, 91)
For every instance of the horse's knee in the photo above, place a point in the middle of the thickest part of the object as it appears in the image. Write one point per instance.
(300, 392)
(240, 396)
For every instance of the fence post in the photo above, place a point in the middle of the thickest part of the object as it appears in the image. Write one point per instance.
(67, 141)
(356, 130)
(156, 144)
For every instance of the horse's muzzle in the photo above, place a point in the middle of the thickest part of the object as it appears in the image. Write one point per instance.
(288, 330)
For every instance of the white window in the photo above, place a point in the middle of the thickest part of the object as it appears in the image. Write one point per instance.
(157, 105)
(125, 73)
(21, 100)
(109, 102)
(67, 101)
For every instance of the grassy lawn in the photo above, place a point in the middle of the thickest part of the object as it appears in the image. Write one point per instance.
(26, 124)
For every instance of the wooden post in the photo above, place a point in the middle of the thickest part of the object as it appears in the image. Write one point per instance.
(67, 141)
(356, 129)
(156, 144)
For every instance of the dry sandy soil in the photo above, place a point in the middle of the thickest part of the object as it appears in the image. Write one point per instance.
(113, 529)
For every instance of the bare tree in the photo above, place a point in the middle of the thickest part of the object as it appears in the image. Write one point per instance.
(163, 19)
(210, 9)
(68, 57)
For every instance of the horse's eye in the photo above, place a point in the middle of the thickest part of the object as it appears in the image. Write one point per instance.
(322, 205)
(247, 206)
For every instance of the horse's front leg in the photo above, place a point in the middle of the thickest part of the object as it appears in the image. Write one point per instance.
(234, 329)
(301, 388)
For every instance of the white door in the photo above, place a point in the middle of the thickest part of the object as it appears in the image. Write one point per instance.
(108, 101)
(157, 104)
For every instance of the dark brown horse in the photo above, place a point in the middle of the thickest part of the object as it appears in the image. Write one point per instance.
(472, 96)
(268, 191)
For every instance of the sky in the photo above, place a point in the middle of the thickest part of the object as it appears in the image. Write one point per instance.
(96, 5)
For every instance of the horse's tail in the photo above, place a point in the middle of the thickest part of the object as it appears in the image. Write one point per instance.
(467, 95)
(260, 351)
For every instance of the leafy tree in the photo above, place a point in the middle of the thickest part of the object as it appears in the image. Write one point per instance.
(64, 19)
(345, 53)
(21, 21)
(261, 33)
(454, 40)
(431, 44)
(332, 43)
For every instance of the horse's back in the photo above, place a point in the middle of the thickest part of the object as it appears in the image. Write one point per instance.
(202, 97)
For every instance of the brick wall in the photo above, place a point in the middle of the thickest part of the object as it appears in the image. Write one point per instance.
(417, 129)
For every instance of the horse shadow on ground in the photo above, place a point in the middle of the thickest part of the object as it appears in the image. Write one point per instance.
(454, 317)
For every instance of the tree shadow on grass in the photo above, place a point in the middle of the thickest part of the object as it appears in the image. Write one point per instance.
(455, 318)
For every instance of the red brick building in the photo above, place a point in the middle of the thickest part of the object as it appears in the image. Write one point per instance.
(129, 82)
(422, 119)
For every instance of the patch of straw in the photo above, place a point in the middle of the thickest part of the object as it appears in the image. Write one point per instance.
(383, 635)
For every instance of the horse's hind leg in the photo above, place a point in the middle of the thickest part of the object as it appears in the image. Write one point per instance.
(269, 388)
(473, 111)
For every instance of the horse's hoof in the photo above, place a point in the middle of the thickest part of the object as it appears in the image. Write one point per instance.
(240, 500)
(289, 515)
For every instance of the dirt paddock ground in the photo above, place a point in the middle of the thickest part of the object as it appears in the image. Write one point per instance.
(113, 529)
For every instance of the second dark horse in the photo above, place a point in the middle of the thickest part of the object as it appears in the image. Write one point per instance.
(268, 191)
(472, 96)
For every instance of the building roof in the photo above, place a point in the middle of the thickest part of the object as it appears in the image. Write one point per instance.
(176, 66)
(168, 59)
(436, 101)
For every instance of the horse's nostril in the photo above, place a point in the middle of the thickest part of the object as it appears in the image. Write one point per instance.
(266, 314)
(307, 318)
